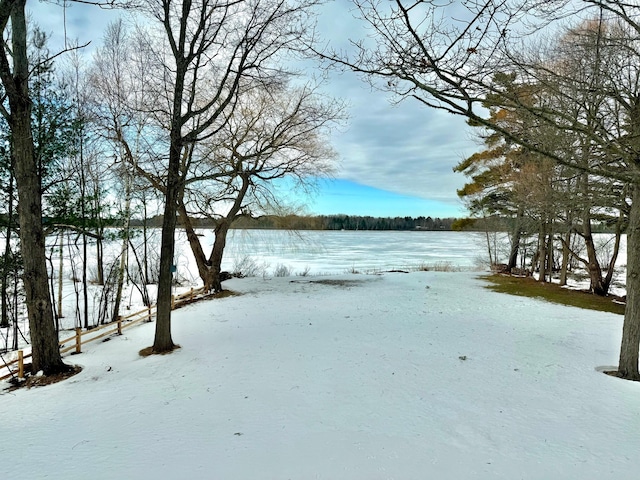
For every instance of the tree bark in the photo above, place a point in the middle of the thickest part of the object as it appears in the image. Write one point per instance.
(196, 248)
(566, 256)
(630, 345)
(593, 266)
(124, 249)
(515, 240)
(542, 253)
(6, 262)
(44, 340)
(216, 254)
(162, 340)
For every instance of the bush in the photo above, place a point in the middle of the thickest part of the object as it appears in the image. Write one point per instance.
(282, 271)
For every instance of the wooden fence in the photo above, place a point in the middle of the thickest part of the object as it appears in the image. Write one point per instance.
(74, 343)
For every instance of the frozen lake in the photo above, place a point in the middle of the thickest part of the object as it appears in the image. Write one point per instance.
(335, 252)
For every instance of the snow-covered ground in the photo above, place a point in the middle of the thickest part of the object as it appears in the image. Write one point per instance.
(425, 375)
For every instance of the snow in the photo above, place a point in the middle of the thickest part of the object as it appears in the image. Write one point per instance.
(396, 376)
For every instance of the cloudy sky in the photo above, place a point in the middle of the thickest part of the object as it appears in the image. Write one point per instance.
(395, 160)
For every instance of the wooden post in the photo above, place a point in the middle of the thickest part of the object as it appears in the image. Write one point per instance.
(191, 294)
(119, 324)
(173, 302)
(20, 364)
(78, 340)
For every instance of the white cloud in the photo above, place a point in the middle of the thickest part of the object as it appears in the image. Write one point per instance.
(405, 148)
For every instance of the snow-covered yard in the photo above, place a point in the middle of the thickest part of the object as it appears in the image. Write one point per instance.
(425, 375)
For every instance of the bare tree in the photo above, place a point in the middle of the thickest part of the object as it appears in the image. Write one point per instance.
(445, 56)
(272, 134)
(14, 74)
(210, 48)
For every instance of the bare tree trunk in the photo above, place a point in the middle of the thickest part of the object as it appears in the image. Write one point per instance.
(217, 252)
(162, 340)
(616, 250)
(60, 273)
(100, 259)
(542, 253)
(210, 269)
(145, 243)
(83, 213)
(630, 345)
(566, 255)
(124, 249)
(515, 240)
(44, 340)
(593, 266)
(204, 269)
(4, 318)
(491, 259)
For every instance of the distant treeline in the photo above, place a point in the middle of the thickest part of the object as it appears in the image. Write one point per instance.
(324, 222)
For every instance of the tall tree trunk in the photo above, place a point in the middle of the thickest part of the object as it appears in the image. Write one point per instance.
(174, 182)
(593, 266)
(566, 256)
(85, 257)
(145, 244)
(550, 258)
(163, 341)
(492, 260)
(515, 240)
(100, 257)
(44, 340)
(8, 257)
(630, 345)
(124, 248)
(204, 269)
(542, 253)
(221, 230)
(217, 252)
(60, 275)
(616, 250)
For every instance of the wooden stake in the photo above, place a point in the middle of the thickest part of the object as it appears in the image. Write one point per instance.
(20, 364)
(78, 340)
(119, 325)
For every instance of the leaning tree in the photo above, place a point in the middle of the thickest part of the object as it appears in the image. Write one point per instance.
(275, 134)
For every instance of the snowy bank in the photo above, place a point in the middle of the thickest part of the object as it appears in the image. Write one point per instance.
(396, 376)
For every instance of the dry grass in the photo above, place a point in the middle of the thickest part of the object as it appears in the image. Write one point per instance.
(529, 287)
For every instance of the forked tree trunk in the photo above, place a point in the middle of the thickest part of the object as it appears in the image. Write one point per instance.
(566, 256)
(616, 250)
(222, 228)
(630, 345)
(593, 266)
(209, 270)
